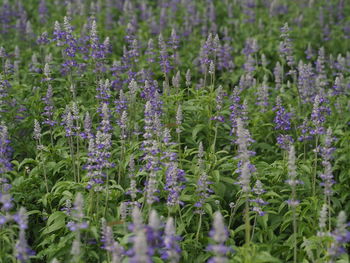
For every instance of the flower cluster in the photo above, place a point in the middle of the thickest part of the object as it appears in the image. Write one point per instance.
(219, 235)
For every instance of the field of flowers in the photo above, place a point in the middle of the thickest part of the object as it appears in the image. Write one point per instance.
(174, 131)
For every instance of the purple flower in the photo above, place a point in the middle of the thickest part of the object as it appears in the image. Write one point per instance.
(5, 200)
(171, 250)
(43, 39)
(49, 107)
(150, 147)
(164, 57)
(292, 176)
(245, 167)
(263, 95)
(202, 192)
(43, 12)
(278, 74)
(219, 235)
(5, 150)
(286, 48)
(103, 91)
(121, 104)
(23, 251)
(150, 52)
(238, 109)
(326, 153)
(140, 250)
(87, 134)
(309, 52)
(305, 131)
(306, 82)
(322, 221)
(284, 141)
(250, 47)
(318, 115)
(249, 65)
(99, 152)
(258, 202)
(109, 244)
(133, 187)
(321, 77)
(282, 117)
(341, 236)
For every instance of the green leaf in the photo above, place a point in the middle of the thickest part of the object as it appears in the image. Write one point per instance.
(197, 129)
(55, 222)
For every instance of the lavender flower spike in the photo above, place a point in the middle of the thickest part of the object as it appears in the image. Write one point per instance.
(179, 118)
(326, 153)
(341, 236)
(23, 251)
(140, 249)
(219, 235)
(322, 220)
(172, 249)
(292, 174)
(140, 244)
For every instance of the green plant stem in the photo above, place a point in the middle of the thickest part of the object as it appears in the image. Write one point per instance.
(294, 214)
(215, 136)
(234, 211)
(179, 150)
(199, 226)
(329, 214)
(247, 221)
(181, 220)
(107, 195)
(51, 136)
(44, 169)
(253, 229)
(315, 168)
(90, 210)
(78, 161)
(295, 234)
(72, 156)
(121, 160)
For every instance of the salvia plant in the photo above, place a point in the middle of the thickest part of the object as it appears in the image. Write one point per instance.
(174, 131)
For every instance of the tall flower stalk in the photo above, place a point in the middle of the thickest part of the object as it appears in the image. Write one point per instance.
(318, 117)
(76, 226)
(202, 191)
(245, 170)
(219, 235)
(327, 176)
(171, 250)
(293, 202)
(23, 251)
(39, 146)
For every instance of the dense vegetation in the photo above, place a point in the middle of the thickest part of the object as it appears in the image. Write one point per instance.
(174, 131)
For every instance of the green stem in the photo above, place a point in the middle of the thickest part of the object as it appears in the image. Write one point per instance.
(234, 211)
(78, 160)
(254, 224)
(215, 136)
(329, 214)
(72, 156)
(180, 215)
(51, 136)
(179, 149)
(44, 169)
(295, 234)
(121, 160)
(90, 210)
(315, 168)
(107, 195)
(199, 226)
(247, 221)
